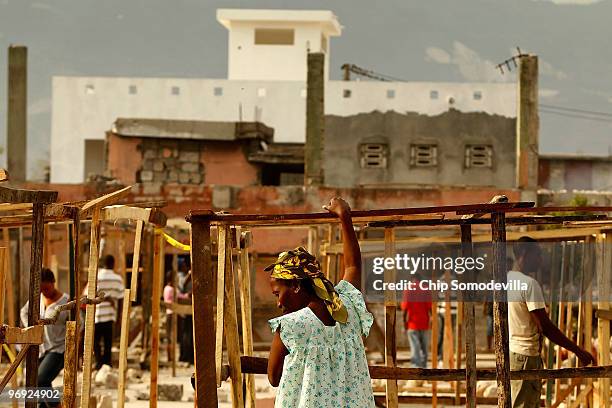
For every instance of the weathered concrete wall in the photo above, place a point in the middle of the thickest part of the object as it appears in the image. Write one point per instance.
(451, 131)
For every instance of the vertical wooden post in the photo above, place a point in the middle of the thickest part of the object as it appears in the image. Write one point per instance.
(70, 265)
(175, 316)
(588, 310)
(330, 258)
(71, 356)
(204, 298)
(70, 366)
(434, 343)
(554, 310)
(75, 277)
(3, 272)
(46, 251)
(20, 268)
(230, 326)
(123, 348)
(500, 311)
(562, 309)
(390, 321)
(313, 240)
(244, 277)
(223, 233)
(145, 290)
(122, 266)
(92, 286)
(136, 260)
(604, 260)
(470, 324)
(447, 339)
(158, 270)
(458, 347)
(38, 237)
(10, 294)
(129, 297)
(10, 298)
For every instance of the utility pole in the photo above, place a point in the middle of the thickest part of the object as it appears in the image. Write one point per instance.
(17, 112)
(527, 125)
(315, 120)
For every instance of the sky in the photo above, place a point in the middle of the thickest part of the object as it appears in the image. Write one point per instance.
(415, 40)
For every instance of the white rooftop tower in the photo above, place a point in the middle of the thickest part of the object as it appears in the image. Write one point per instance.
(273, 44)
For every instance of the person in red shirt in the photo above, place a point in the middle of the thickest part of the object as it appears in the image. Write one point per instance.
(416, 305)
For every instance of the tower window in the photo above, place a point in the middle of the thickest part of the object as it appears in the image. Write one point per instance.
(218, 91)
(274, 36)
(433, 94)
(477, 95)
(346, 93)
(132, 90)
(175, 90)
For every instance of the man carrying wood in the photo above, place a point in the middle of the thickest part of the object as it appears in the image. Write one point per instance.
(528, 321)
(52, 350)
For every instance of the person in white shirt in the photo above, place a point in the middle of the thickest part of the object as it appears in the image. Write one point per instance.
(528, 322)
(51, 352)
(106, 312)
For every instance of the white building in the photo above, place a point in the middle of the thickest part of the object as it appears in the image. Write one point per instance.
(267, 51)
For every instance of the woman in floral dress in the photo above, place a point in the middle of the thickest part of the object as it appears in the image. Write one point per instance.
(317, 358)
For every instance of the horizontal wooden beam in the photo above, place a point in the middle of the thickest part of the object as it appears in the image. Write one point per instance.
(125, 212)
(105, 200)
(16, 207)
(357, 215)
(59, 210)
(258, 365)
(603, 314)
(16, 196)
(523, 220)
(178, 308)
(14, 221)
(539, 210)
(17, 335)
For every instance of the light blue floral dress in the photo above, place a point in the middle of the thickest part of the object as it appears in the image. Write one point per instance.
(326, 365)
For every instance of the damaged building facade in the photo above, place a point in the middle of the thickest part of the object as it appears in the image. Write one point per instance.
(413, 150)
(257, 89)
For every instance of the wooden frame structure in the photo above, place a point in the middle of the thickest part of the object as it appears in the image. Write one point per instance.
(210, 370)
(37, 208)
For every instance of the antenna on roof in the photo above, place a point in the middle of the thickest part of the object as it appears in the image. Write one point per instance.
(510, 60)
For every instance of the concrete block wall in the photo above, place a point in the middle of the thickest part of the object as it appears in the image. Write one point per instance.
(170, 161)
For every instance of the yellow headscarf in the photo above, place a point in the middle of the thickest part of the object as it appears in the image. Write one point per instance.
(300, 264)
